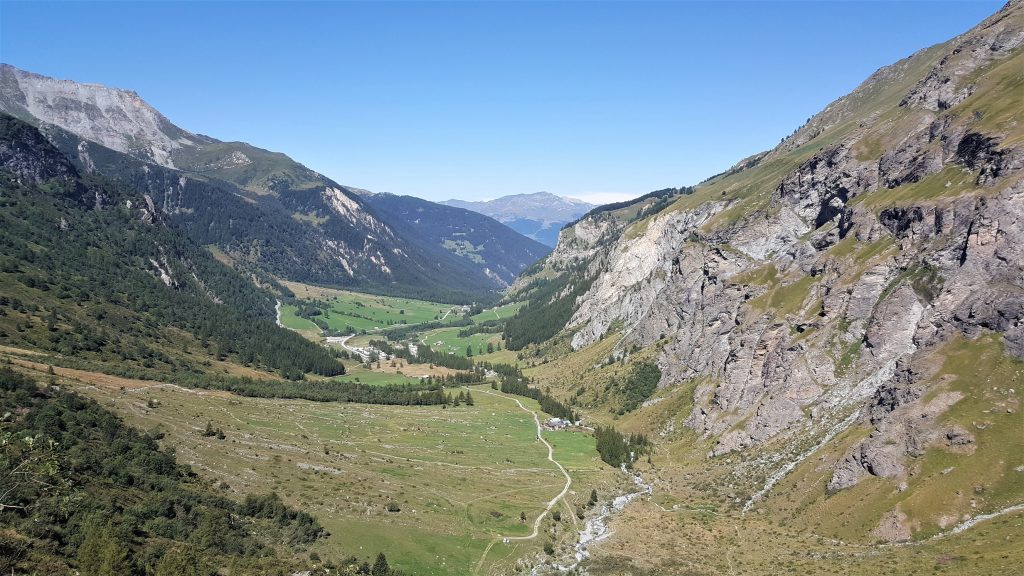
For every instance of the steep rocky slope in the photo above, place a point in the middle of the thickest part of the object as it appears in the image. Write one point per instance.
(298, 224)
(816, 300)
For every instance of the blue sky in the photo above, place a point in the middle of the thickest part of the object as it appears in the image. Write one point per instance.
(599, 101)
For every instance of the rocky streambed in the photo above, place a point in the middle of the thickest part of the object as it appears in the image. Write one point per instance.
(596, 528)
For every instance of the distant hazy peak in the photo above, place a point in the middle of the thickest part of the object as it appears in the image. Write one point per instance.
(539, 206)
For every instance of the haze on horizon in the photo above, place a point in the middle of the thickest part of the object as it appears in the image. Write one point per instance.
(599, 102)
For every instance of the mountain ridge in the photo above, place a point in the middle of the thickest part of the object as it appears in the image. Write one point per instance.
(539, 215)
(325, 233)
(469, 234)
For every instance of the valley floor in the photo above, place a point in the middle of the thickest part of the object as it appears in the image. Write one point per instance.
(438, 489)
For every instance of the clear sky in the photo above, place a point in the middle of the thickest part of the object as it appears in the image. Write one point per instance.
(599, 101)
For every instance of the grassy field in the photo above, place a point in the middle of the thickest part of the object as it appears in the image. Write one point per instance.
(458, 476)
(363, 311)
(448, 339)
(290, 320)
(355, 311)
(498, 313)
(355, 372)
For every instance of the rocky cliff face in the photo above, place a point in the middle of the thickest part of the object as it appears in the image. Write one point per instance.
(806, 290)
(118, 119)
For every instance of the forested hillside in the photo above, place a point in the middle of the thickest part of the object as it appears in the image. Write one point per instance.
(92, 271)
(499, 251)
(83, 491)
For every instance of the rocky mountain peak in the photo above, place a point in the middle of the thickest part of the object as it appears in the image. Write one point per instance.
(117, 119)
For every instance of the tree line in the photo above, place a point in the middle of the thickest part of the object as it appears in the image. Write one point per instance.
(550, 304)
(618, 450)
(548, 403)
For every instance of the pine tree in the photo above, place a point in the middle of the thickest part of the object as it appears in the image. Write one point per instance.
(101, 553)
(380, 566)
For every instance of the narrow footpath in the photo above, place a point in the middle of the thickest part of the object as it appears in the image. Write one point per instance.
(551, 504)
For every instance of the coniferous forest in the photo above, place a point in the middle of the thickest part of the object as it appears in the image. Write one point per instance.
(93, 272)
(88, 487)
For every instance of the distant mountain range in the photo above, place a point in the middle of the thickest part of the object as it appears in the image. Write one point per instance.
(540, 215)
(502, 251)
(261, 208)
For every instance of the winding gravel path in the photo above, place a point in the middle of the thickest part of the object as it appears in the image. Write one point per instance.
(551, 504)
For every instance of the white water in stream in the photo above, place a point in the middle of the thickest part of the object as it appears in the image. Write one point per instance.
(596, 529)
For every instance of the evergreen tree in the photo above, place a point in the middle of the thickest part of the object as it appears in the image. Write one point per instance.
(101, 553)
(181, 562)
(380, 566)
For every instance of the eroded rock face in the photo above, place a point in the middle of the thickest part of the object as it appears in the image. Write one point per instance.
(636, 274)
(944, 86)
(834, 335)
(906, 430)
(894, 527)
(118, 119)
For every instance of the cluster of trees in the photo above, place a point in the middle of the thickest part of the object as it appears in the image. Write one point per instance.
(421, 394)
(548, 403)
(617, 449)
(403, 332)
(424, 355)
(463, 398)
(82, 490)
(308, 310)
(460, 378)
(639, 385)
(550, 304)
(486, 327)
